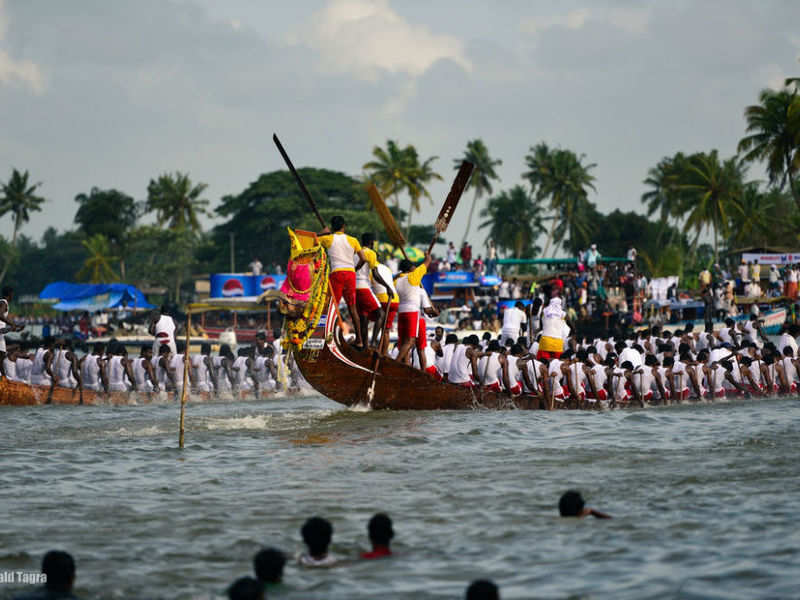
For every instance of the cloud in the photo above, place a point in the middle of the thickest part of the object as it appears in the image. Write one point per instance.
(367, 37)
(12, 70)
(631, 19)
(574, 19)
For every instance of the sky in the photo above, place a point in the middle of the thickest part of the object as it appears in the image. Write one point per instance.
(111, 94)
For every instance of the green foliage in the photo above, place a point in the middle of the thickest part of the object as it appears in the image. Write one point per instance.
(482, 175)
(18, 199)
(514, 222)
(774, 136)
(97, 266)
(260, 214)
(561, 176)
(109, 213)
(157, 256)
(396, 170)
(176, 201)
(56, 257)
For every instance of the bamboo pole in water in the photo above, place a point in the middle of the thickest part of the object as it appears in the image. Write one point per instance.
(185, 378)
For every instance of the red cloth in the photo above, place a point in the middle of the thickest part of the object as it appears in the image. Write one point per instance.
(422, 334)
(343, 283)
(367, 302)
(543, 354)
(392, 314)
(377, 552)
(407, 323)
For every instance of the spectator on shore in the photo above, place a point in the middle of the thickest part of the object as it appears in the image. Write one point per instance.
(592, 256)
(317, 534)
(59, 569)
(268, 565)
(491, 258)
(451, 257)
(255, 266)
(572, 504)
(380, 533)
(482, 589)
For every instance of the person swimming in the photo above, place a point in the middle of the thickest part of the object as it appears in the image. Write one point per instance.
(482, 589)
(59, 569)
(317, 534)
(246, 588)
(268, 565)
(572, 504)
(380, 534)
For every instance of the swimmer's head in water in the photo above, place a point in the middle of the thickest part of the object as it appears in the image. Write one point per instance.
(380, 529)
(317, 533)
(268, 565)
(571, 504)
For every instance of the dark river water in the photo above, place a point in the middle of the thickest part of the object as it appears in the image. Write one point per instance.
(704, 498)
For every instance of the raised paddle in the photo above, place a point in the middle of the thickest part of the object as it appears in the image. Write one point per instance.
(300, 183)
(392, 230)
(451, 202)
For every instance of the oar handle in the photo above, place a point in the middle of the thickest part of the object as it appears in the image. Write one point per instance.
(300, 183)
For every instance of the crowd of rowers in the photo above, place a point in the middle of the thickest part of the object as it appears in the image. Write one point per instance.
(536, 354)
(108, 368)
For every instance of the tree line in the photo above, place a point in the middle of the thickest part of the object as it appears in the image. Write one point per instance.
(686, 195)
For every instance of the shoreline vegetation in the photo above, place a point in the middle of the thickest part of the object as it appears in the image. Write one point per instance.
(547, 213)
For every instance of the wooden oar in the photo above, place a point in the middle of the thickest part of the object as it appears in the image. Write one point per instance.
(300, 183)
(451, 202)
(392, 230)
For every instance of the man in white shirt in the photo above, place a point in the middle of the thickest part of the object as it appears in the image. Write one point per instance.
(256, 266)
(513, 318)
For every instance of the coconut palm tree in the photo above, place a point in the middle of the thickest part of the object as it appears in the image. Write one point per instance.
(393, 170)
(20, 200)
(774, 127)
(515, 236)
(97, 266)
(665, 196)
(176, 201)
(396, 170)
(482, 175)
(561, 176)
(423, 174)
(714, 188)
(753, 218)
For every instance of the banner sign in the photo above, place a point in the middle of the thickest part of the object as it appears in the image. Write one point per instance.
(233, 285)
(771, 259)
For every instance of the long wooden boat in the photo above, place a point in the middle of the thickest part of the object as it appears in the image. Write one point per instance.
(345, 375)
(15, 393)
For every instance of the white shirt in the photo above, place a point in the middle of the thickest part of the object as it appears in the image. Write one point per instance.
(787, 340)
(386, 275)
(460, 366)
(165, 334)
(513, 318)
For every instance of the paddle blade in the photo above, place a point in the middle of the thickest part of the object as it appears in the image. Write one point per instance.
(389, 223)
(456, 190)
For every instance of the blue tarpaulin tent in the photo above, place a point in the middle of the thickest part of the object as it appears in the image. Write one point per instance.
(92, 297)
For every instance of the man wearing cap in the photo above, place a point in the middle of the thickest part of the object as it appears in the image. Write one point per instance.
(342, 250)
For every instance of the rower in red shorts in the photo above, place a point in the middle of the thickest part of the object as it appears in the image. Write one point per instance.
(342, 250)
(407, 284)
(366, 301)
(383, 287)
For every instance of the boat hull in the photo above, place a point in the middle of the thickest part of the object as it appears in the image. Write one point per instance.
(15, 393)
(341, 373)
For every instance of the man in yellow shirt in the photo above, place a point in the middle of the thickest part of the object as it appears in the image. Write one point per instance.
(342, 250)
(407, 285)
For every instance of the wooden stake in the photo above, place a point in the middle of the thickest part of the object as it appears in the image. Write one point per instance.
(185, 379)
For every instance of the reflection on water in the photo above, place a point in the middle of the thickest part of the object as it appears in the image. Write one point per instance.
(704, 498)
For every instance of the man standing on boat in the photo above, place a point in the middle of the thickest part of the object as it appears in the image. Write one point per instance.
(162, 326)
(554, 330)
(342, 250)
(407, 285)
